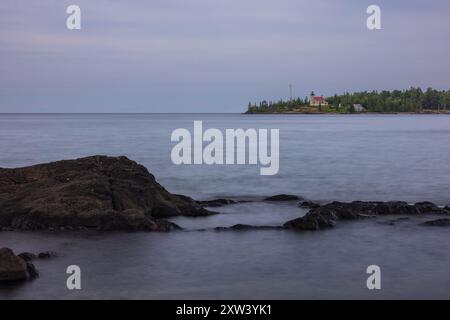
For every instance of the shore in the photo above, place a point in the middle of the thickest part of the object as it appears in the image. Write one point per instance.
(352, 113)
(101, 193)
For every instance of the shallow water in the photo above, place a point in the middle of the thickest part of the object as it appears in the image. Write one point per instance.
(323, 158)
(266, 264)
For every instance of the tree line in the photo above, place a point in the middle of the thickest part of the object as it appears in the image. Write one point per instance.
(410, 100)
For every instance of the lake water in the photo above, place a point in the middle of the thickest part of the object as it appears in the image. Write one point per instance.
(322, 158)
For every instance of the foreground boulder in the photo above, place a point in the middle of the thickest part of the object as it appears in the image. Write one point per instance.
(14, 268)
(100, 192)
(327, 215)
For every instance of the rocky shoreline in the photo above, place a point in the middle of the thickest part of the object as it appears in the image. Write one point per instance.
(328, 215)
(114, 193)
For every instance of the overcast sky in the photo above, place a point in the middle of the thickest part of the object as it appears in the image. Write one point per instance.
(212, 55)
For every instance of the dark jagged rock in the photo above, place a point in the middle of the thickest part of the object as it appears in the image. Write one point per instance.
(283, 197)
(208, 203)
(99, 192)
(438, 223)
(32, 272)
(244, 227)
(12, 267)
(165, 226)
(327, 215)
(185, 198)
(27, 256)
(217, 202)
(313, 220)
(308, 204)
(47, 255)
(428, 207)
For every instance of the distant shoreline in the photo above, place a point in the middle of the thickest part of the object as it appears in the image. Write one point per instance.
(351, 113)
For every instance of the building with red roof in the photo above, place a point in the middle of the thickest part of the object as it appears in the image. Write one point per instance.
(317, 101)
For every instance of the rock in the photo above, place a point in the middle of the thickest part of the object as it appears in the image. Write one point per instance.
(217, 202)
(185, 198)
(315, 219)
(98, 192)
(327, 215)
(283, 197)
(27, 256)
(12, 267)
(308, 204)
(164, 226)
(32, 272)
(244, 227)
(438, 223)
(47, 255)
(427, 207)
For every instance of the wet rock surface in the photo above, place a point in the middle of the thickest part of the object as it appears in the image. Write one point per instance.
(13, 268)
(308, 204)
(98, 192)
(27, 256)
(327, 215)
(47, 255)
(244, 227)
(218, 202)
(32, 271)
(438, 223)
(283, 197)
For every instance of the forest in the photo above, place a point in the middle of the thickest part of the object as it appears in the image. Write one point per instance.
(410, 100)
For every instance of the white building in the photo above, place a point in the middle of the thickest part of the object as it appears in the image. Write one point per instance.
(317, 101)
(358, 108)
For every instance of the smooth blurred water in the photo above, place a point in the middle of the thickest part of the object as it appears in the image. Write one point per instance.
(266, 264)
(323, 158)
(335, 157)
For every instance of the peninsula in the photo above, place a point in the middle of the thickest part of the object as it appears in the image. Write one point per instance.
(413, 100)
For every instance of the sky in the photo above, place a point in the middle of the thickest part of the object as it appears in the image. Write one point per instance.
(213, 55)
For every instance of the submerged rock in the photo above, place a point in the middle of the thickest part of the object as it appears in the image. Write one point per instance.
(47, 255)
(438, 223)
(244, 227)
(283, 197)
(99, 192)
(394, 222)
(308, 204)
(428, 207)
(327, 215)
(217, 202)
(12, 267)
(32, 272)
(27, 256)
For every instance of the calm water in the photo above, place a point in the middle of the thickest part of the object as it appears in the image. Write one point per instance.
(323, 158)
